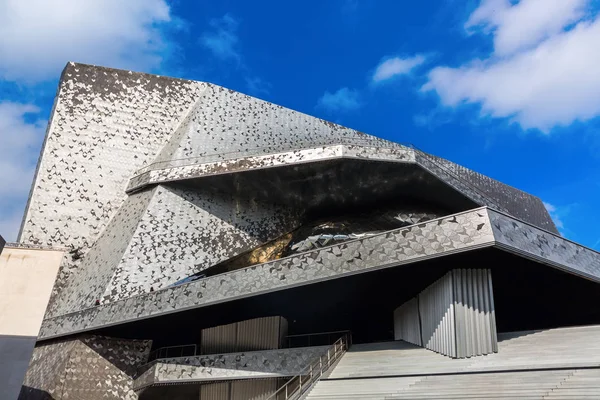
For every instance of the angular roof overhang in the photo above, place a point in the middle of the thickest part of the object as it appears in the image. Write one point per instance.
(462, 232)
(262, 364)
(229, 169)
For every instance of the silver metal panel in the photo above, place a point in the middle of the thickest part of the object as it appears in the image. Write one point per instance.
(185, 169)
(215, 391)
(474, 312)
(546, 247)
(455, 315)
(230, 366)
(435, 238)
(250, 335)
(105, 124)
(74, 368)
(437, 323)
(259, 334)
(257, 389)
(406, 322)
(219, 339)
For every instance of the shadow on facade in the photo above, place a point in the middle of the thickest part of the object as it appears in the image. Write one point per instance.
(528, 296)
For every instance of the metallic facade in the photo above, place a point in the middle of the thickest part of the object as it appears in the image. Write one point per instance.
(162, 190)
(436, 238)
(86, 368)
(230, 366)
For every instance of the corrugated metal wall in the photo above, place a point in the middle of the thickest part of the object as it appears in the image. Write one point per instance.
(436, 311)
(256, 389)
(251, 389)
(406, 322)
(474, 312)
(255, 334)
(219, 339)
(215, 391)
(454, 316)
(259, 334)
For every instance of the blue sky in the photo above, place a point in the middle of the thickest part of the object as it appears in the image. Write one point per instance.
(508, 88)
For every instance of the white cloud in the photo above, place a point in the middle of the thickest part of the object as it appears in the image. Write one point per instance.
(540, 85)
(223, 40)
(396, 66)
(343, 99)
(38, 37)
(21, 133)
(524, 24)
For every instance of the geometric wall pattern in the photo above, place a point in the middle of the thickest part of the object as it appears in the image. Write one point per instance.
(462, 232)
(230, 366)
(434, 238)
(109, 126)
(90, 368)
(149, 181)
(166, 234)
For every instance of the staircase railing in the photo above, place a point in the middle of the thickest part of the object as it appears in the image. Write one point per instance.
(300, 384)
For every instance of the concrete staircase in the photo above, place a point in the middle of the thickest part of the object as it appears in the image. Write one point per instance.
(551, 364)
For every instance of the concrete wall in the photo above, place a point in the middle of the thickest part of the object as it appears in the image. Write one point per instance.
(26, 279)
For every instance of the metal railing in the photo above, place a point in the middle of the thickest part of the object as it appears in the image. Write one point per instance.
(266, 150)
(313, 339)
(186, 350)
(291, 341)
(294, 388)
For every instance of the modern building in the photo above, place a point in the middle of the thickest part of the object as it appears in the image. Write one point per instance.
(217, 246)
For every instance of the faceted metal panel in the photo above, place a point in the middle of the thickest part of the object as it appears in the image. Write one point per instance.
(435, 238)
(47, 370)
(105, 124)
(230, 366)
(185, 169)
(163, 235)
(91, 367)
(226, 122)
(88, 282)
(488, 192)
(526, 240)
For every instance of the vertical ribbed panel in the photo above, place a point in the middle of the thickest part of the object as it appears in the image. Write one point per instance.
(436, 310)
(215, 391)
(255, 334)
(258, 334)
(253, 389)
(455, 315)
(474, 312)
(406, 322)
(219, 339)
(283, 331)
